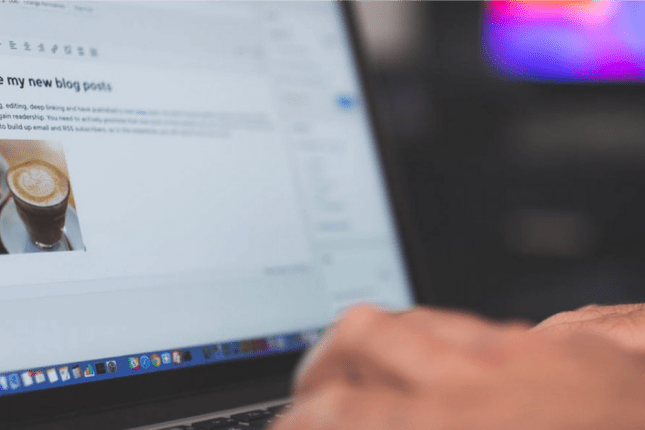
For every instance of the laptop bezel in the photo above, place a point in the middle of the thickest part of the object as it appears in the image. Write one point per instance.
(121, 394)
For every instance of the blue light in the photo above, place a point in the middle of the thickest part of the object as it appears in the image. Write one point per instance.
(346, 102)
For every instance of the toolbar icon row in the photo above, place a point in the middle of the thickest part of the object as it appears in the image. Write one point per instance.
(40, 48)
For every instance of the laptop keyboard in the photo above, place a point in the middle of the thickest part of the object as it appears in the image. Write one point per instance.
(257, 419)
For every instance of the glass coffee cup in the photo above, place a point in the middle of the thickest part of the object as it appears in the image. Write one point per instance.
(41, 193)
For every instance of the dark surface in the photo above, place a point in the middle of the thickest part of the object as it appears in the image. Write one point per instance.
(152, 398)
(254, 420)
(451, 124)
(214, 423)
(257, 419)
(2, 248)
(171, 409)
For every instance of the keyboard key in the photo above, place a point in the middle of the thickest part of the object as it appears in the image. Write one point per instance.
(215, 423)
(280, 409)
(263, 423)
(257, 414)
(238, 427)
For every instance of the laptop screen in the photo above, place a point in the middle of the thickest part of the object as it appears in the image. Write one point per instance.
(182, 184)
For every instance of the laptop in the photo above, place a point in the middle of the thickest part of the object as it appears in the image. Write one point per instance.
(191, 192)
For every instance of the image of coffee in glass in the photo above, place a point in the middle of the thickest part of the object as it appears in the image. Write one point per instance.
(41, 193)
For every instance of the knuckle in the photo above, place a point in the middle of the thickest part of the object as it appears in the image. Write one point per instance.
(589, 310)
(432, 317)
(363, 313)
(426, 311)
(572, 317)
(516, 327)
(359, 323)
(420, 317)
(516, 343)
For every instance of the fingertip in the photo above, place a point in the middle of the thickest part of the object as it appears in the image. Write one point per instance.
(304, 367)
(359, 308)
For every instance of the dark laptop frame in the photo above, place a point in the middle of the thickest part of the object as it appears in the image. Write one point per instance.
(174, 394)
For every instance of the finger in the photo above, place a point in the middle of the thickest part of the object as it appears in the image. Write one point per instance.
(348, 353)
(340, 406)
(379, 348)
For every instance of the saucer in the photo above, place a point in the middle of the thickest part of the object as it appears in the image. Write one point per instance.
(15, 238)
(4, 187)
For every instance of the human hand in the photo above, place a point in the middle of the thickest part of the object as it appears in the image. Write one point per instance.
(435, 370)
(624, 324)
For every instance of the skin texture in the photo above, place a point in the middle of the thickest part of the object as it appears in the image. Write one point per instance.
(435, 369)
(624, 324)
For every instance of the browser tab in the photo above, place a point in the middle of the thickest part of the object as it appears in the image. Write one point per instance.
(83, 8)
(55, 6)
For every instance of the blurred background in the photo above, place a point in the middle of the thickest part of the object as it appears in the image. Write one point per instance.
(528, 182)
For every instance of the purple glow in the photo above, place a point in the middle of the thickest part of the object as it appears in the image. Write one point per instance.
(584, 41)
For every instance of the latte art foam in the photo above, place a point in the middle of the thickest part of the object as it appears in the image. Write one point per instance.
(38, 183)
